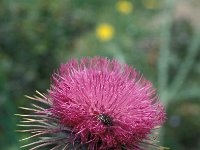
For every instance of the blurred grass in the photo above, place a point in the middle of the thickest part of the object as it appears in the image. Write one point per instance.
(159, 38)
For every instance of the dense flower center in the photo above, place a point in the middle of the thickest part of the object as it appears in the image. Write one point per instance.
(97, 104)
(106, 103)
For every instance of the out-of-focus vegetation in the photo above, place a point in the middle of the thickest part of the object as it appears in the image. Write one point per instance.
(159, 38)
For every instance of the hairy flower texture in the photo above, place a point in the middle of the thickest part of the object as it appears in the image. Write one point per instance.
(96, 104)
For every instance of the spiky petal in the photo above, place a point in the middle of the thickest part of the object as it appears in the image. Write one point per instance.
(99, 104)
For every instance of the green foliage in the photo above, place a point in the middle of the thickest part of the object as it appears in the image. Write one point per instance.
(182, 128)
(36, 36)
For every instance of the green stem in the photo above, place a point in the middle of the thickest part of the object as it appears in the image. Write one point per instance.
(164, 54)
(192, 92)
(164, 57)
(186, 65)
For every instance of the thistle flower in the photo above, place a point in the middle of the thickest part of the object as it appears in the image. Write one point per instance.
(95, 104)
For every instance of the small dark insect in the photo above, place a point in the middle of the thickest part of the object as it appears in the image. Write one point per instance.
(106, 120)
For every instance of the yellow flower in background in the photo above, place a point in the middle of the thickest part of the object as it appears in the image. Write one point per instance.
(124, 7)
(104, 32)
(150, 4)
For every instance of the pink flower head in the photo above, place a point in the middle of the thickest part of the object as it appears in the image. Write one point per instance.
(100, 104)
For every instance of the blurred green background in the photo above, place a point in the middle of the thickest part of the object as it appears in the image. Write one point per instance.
(160, 38)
